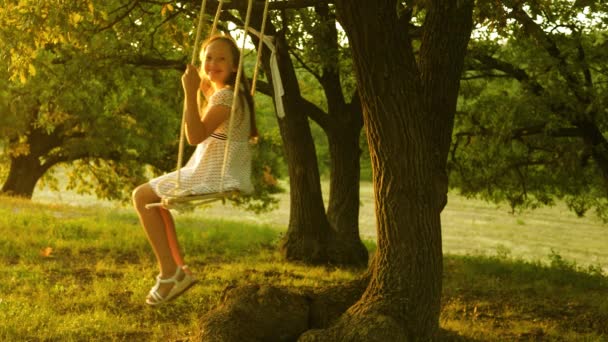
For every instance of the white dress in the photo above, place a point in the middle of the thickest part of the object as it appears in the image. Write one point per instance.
(202, 174)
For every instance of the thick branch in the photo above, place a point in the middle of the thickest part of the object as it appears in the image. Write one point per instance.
(305, 66)
(264, 88)
(519, 74)
(583, 61)
(315, 113)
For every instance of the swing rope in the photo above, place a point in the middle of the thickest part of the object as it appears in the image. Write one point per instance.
(260, 48)
(180, 154)
(217, 17)
(237, 83)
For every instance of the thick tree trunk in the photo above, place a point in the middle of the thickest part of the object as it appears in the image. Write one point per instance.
(24, 173)
(343, 125)
(408, 110)
(28, 167)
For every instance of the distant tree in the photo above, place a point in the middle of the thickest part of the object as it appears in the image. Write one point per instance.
(75, 97)
(315, 235)
(95, 85)
(532, 120)
(339, 115)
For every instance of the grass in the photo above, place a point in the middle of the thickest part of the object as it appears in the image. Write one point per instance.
(81, 273)
(74, 273)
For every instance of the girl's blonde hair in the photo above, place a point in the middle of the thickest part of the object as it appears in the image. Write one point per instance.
(246, 89)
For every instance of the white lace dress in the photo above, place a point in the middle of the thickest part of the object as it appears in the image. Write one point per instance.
(203, 172)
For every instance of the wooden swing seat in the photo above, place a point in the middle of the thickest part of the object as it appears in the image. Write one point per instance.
(177, 202)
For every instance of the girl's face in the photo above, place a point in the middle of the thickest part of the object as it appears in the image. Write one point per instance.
(218, 62)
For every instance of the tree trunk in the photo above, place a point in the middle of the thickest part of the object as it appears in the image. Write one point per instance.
(28, 167)
(24, 173)
(342, 124)
(308, 233)
(408, 110)
(344, 199)
(309, 238)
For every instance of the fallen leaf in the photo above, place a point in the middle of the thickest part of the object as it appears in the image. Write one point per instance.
(46, 252)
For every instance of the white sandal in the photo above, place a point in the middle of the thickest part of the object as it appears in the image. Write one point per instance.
(179, 287)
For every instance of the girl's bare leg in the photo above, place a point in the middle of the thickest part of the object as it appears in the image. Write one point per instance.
(154, 226)
(172, 236)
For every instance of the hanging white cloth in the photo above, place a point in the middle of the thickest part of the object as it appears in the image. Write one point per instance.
(277, 83)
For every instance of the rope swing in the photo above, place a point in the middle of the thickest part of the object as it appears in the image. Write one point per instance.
(175, 201)
(182, 130)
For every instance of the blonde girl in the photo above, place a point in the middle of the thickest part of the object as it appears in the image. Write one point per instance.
(208, 97)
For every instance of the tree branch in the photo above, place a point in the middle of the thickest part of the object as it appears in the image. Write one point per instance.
(519, 74)
(518, 133)
(489, 75)
(264, 88)
(157, 63)
(305, 66)
(583, 61)
(315, 113)
(120, 17)
(276, 5)
(552, 49)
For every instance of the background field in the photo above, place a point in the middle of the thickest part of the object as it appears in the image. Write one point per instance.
(469, 226)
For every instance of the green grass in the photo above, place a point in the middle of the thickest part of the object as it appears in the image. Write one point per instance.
(74, 273)
(82, 273)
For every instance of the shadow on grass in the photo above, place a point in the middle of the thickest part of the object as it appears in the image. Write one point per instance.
(529, 299)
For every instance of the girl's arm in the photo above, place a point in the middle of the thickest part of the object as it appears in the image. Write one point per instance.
(199, 128)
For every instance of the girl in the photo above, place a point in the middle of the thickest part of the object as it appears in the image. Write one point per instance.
(208, 130)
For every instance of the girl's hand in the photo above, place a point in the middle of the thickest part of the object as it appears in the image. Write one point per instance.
(191, 79)
(206, 87)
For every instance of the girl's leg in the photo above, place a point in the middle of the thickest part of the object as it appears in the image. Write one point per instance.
(154, 225)
(172, 236)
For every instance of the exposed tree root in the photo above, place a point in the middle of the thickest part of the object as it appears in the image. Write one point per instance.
(265, 313)
(257, 313)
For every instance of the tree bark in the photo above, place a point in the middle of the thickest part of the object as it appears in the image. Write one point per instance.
(344, 199)
(343, 126)
(29, 166)
(24, 173)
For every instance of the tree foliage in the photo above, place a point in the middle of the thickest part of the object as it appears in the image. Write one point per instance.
(532, 119)
(75, 94)
(94, 85)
